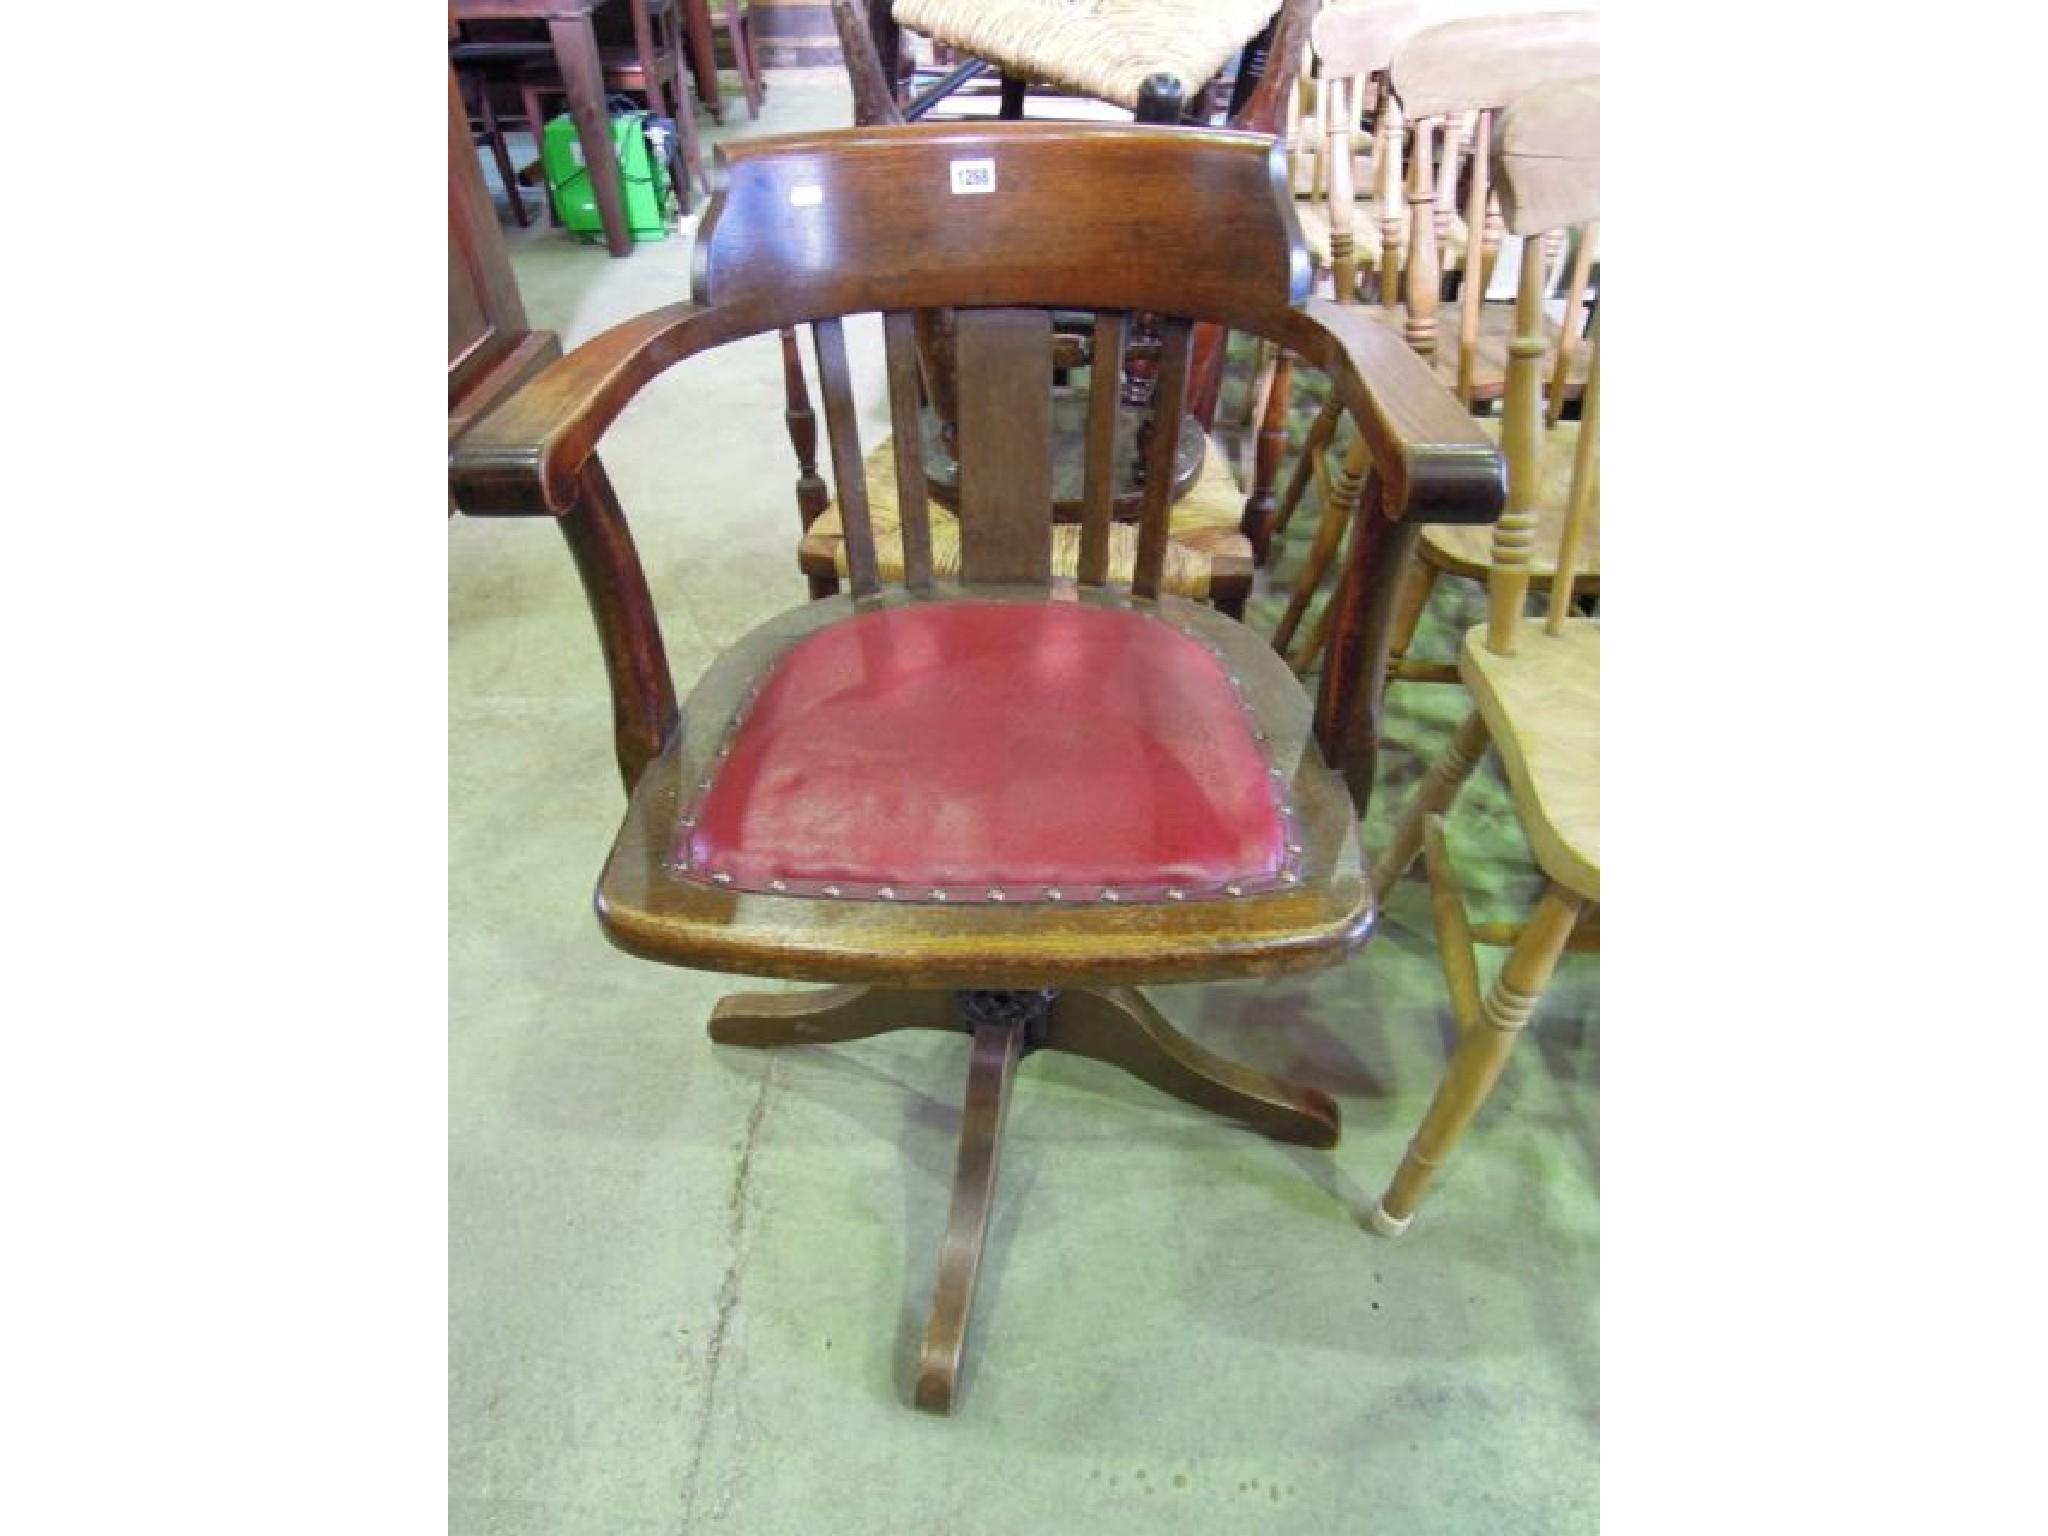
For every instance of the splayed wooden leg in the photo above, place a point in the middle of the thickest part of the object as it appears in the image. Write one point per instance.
(997, 1049)
(1482, 1051)
(1440, 786)
(1320, 432)
(1117, 1025)
(827, 1016)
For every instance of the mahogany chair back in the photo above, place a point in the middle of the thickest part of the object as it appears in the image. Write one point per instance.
(1548, 165)
(830, 228)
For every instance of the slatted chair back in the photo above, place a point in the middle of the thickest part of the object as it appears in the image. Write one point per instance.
(1476, 65)
(1548, 165)
(826, 229)
(1353, 42)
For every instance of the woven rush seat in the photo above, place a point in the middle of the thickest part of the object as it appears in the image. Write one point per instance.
(1206, 555)
(1102, 48)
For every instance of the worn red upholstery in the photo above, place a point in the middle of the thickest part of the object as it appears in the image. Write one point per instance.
(994, 751)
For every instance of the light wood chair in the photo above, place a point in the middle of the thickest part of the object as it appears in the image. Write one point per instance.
(1465, 71)
(1133, 788)
(1438, 74)
(1535, 689)
(1484, 64)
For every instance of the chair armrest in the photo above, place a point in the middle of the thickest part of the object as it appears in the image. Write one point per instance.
(525, 457)
(1435, 464)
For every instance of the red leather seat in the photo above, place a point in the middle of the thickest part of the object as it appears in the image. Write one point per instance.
(992, 751)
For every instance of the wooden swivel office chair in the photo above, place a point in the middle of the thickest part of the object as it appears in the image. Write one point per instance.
(1535, 690)
(996, 804)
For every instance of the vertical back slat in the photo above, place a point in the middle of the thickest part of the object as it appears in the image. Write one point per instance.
(1574, 317)
(1169, 403)
(1343, 199)
(842, 431)
(1472, 292)
(1004, 358)
(899, 337)
(1387, 193)
(1098, 485)
(1457, 130)
(1585, 476)
(1521, 441)
(1424, 275)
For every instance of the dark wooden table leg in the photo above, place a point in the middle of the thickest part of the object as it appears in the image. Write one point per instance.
(703, 54)
(1010, 108)
(997, 1047)
(575, 41)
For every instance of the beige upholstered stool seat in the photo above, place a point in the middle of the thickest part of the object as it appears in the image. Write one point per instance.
(1103, 48)
(1206, 555)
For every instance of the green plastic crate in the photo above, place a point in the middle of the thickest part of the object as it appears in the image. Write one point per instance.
(642, 177)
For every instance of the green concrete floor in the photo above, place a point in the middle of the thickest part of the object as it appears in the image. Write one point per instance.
(686, 1282)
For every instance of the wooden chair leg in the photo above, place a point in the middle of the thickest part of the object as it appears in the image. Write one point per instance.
(1417, 583)
(827, 1016)
(703, 54)
(1109, 1024)
(1118, 1026)
(496, 135)
(1338, 508)
(536, 118)
(739, 30)
(1260, 506)
(693, 143)
(990, 1071)
(1318, 639)
(1320, 431)
(1476, 1064)
(1439, 788)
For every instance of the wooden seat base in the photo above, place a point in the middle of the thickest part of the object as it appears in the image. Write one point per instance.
(1110, 1024)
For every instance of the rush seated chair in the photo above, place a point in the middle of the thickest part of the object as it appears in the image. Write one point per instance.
(999, 804)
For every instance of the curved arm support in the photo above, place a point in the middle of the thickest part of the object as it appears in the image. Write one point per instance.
(524, 459)
(1434, 463)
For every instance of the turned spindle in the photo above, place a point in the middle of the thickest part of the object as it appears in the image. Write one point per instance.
(1424, 278)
